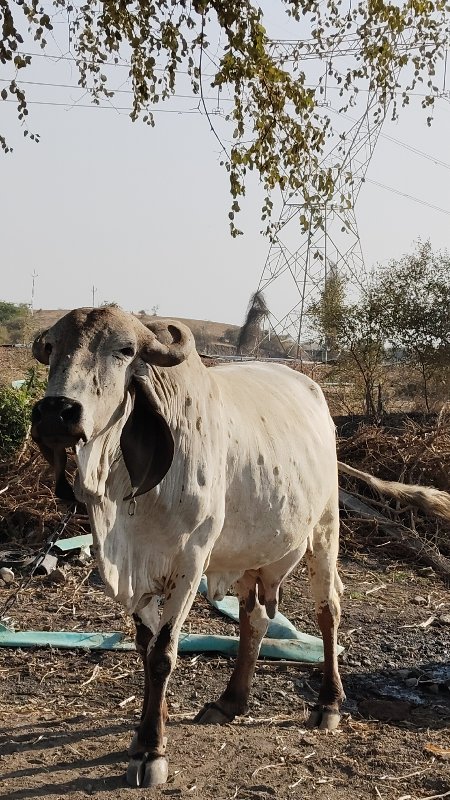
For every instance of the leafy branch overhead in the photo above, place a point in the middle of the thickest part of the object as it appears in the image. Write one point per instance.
(279, 128)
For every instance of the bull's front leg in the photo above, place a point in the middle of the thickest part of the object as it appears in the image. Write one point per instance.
(148, 765)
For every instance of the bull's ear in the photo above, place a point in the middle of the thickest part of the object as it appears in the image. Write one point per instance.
(41, 350)
(147, 446)
(168, 343)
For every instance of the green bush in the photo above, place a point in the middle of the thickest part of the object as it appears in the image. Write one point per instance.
(15, 319)
(15, 410)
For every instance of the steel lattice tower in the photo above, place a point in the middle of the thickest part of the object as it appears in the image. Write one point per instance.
(299, 271)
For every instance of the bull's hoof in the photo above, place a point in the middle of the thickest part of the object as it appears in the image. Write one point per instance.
(212, 714)
(144, 774)
(324, 718)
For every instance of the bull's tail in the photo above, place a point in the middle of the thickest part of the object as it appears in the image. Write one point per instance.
(430, 500)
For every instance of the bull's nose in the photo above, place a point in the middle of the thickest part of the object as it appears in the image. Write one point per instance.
(57, 408)
(57, 420)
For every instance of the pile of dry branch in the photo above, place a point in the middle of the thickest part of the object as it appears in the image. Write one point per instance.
(411, 453)
(29, 510)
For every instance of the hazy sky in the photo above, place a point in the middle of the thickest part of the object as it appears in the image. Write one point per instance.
(141, 213)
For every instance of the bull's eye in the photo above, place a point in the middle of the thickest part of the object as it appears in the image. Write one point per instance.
(127, 351)
(48, 348)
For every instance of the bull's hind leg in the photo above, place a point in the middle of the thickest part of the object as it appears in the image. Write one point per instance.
(253, 623)
(326, 586)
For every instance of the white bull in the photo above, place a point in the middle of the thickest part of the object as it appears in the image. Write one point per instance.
(230, 471)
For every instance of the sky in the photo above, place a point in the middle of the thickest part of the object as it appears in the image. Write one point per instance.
(113, 210)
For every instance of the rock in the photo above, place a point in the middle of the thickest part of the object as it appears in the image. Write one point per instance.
(419, 600)
(57, 576)
(7, 575)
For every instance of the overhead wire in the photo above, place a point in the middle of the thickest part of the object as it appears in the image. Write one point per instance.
(114, 91)
(177, 95)
(408, 196)
(197, 110)
(439, 162)
(54, 57)
(93, 106)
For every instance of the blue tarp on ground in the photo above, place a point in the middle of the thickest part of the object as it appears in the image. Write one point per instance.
(283, 640)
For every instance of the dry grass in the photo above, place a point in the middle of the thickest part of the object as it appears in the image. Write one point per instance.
(29, 510)
(411, 453)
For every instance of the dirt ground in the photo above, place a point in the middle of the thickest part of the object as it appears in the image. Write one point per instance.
(67, 716)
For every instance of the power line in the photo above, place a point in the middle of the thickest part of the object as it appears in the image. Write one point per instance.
(181, 72)
(416, 151)
(114, 91)
(407, 146)
(411, 148)
(98, 62)
(93, 106)
(408, 196)
(111, 107)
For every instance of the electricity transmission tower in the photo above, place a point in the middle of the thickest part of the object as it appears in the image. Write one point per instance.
(296, 271)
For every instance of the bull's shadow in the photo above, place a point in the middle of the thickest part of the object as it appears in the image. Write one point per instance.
(418, 695)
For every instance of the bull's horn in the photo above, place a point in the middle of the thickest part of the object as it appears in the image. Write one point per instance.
(169, 345)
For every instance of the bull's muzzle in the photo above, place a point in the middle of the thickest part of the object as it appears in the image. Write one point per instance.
(56, 422)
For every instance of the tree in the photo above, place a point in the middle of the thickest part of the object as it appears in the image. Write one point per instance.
(278, 129)
(414, 294)
(355, 332)
(361, 337)
(406, 308)
(14, 319)
(327, 312)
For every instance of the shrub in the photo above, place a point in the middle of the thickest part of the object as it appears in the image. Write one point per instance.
(15, 409)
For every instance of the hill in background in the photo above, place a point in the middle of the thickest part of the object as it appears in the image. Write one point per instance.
(218, 338)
